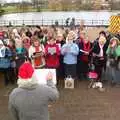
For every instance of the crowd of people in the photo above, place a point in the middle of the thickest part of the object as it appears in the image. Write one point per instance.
(69, 51)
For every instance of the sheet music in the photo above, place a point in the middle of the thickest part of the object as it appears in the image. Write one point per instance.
(83, 51)
(42, 73)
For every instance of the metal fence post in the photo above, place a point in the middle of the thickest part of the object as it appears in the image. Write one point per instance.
(62, 22)
(102, 22)
(52, 22)
(32, 22)
(42, 21)
(14, 22)
(23, 22)
(92, 22)
(4, 22)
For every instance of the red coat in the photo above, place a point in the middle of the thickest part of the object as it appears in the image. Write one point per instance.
(52, 53)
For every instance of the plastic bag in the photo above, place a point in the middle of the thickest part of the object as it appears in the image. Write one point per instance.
(69, 82)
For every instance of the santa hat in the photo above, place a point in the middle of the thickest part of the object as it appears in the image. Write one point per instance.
(26, 76)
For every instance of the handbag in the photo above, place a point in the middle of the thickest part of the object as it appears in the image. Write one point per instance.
(69, 82)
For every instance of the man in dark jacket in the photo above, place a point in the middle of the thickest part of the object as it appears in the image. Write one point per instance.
(30, 100)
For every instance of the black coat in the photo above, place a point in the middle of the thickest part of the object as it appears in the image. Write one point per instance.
(96, 48)
(96, 60)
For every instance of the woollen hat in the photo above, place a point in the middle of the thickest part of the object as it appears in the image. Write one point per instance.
(114, 38)
(26, 71)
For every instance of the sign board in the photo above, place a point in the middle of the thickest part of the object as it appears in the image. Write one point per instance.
(41, 75)
(114, 26)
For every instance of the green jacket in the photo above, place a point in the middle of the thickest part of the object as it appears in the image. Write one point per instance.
(115, 52)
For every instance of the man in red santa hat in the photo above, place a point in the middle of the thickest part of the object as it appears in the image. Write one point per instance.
(30, 100)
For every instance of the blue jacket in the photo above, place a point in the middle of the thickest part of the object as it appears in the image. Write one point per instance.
(70, 52)
(5, 61)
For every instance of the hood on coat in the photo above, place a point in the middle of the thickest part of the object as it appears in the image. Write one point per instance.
(30, 83)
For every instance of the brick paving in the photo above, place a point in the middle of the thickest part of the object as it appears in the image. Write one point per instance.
(80, 103)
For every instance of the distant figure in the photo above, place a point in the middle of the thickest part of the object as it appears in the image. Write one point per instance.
(67, 22)
(10, 24)
(56, 23)
(30, 100)
(72, 23)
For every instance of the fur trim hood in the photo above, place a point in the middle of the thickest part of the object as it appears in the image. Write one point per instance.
(30, 83)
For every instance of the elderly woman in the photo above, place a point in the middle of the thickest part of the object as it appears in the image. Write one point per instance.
(84, 56)
(99, 56)
(70, 51)
(113, 63)
(36, 53)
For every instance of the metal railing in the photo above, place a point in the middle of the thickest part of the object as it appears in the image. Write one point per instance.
(61, 22)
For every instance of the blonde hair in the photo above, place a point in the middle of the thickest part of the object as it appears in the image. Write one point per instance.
(71, 35)
(102, 39)
(115, 38)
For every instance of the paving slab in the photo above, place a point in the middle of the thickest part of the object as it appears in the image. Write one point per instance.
(80, 103)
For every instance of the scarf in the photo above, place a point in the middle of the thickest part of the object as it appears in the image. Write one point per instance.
(37, 49)
(101, 50)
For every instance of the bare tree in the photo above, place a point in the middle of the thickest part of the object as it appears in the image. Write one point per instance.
(23, 6)
(1, 10)
(114, 5)
(38, 4)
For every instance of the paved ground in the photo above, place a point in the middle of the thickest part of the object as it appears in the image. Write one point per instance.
(77, 104)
